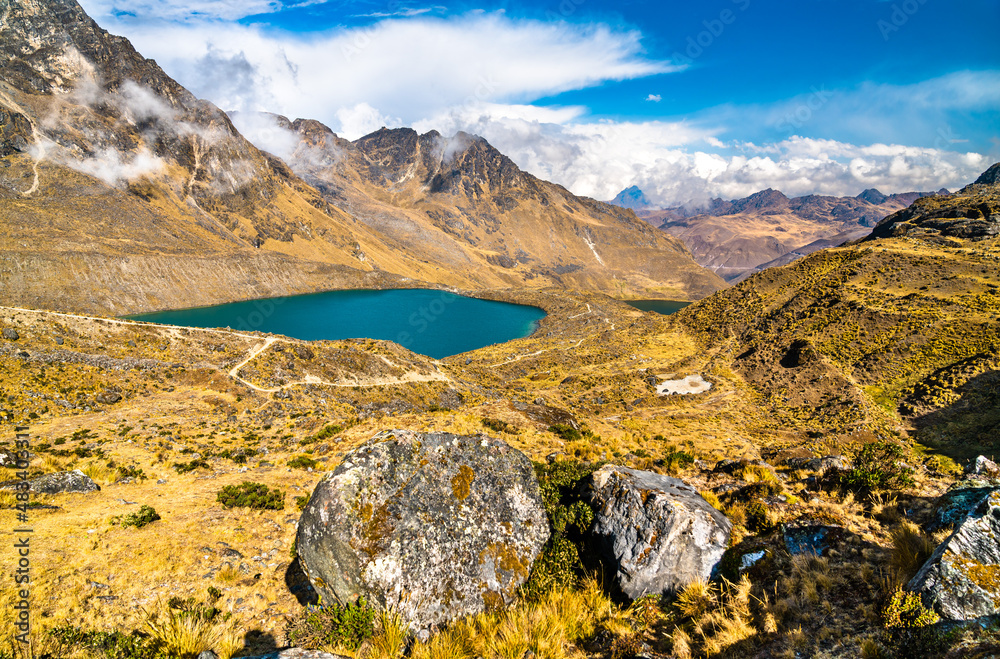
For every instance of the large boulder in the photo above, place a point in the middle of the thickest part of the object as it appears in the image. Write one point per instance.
(437, 525)
(655, 533)
(961, 579)
(58, 483)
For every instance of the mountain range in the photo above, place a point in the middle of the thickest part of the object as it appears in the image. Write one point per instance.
(738, 237)
(122, 192)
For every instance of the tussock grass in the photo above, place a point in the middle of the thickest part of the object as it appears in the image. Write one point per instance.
(910, 550)
(550, 628)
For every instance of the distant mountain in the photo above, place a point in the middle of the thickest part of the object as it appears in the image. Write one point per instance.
(632, 198)
(736, 238)
(469, 211)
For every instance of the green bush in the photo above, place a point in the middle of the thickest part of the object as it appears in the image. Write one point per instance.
(301, 501)
(345, 626)
(131, 472)
(566, 432)
(185, 467)
(498, 425)
(145, 515)
(877, 466)
(303, 462)
(255, 496)
(559, 564)
(758, 519)
(110, 645)
(905, 610)
(674, 460)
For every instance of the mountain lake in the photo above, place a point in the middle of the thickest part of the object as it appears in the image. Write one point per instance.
(665, 307)
(428, 322)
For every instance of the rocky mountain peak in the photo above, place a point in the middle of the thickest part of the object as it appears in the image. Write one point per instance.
(990, 177)
(872, 196)
(768, 199)
(633, 198)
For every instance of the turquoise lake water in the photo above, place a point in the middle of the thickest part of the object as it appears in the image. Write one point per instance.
(429, 322)
(665, 307)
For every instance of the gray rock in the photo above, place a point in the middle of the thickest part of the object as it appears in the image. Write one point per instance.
(208, 654)
(298, 653)
(657, 533)
(10, 334)
(61, 482)
(828, 463)
(811, 538)
(961, 579)
(59, 340)
(952, 507)
(982, 468)
(7, 459)
(108, 397)
(437, 525)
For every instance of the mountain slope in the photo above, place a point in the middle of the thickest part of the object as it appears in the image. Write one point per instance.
(734, 238)
(900, 328)
(473, 213)
(123, 193)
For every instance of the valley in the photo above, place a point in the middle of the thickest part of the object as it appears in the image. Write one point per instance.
(806, 441)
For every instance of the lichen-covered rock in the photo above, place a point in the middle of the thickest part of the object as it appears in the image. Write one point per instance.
(655, 533)
(961, 579)
(299, 653)
(955, 505)
(61, 482)
(437, 525)
(10, 334)
(983, 467)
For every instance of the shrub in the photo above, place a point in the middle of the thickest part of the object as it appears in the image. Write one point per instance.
(674, 460)
(758, 517)
(112, 645)
(131, 472)
(566, 432)
(877, 466)
(559, 564)
(255, 496)
(301, 501)
(326, 433)
(498, 425)
(340, 626)
(303, 462)
(145, 515)
(185, 467)
(905, 610)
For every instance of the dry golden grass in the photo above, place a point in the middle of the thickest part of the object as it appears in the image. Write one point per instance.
(549, 628)
(911, 548)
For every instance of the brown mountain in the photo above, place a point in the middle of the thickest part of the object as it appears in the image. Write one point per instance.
(896, 331)
(122, 192)
(737, 238)
(474, 215)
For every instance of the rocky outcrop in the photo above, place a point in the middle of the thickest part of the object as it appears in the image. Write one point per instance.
(436, 525)
(655, 533)
(961, 580)
(58, 483)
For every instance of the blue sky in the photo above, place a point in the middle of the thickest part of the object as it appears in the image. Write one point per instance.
(687, 100)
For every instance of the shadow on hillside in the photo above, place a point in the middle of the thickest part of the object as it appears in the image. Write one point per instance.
(257, 643)
(298, 584)
(970, 426)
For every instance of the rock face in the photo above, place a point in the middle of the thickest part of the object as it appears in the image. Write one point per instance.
(657, 533)
(961, 580)
(983, 467)
(437, 525)
(62, 482)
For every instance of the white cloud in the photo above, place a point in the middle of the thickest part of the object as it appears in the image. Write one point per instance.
(654, 98)
(408, 68)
